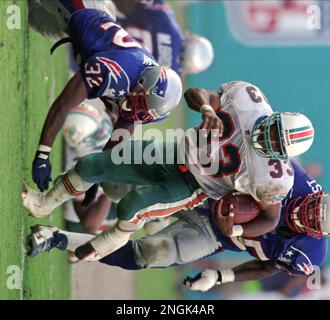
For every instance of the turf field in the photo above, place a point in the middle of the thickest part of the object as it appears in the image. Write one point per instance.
(29, 82)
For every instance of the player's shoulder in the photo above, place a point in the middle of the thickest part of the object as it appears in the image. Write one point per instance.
(246, 95)
(305, 254)
(271, 180)
(246, 100)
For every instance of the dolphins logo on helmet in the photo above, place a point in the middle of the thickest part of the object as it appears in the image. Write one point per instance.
(282, 135)
(87, 129)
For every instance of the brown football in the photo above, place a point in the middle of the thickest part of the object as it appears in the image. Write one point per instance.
(245, 207)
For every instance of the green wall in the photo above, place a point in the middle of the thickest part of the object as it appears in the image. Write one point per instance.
(293, 78)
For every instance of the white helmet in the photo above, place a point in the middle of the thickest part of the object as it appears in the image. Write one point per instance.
(87, 129)
(157, 93)
(294, 132)
(310, 214)
(197, 53)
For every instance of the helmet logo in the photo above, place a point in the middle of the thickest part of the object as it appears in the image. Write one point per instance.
(161, 85)
(117, 78)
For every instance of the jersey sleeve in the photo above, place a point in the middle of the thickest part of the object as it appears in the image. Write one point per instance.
(262, 188)
(95, 77)
(303, 260)
(271, 193)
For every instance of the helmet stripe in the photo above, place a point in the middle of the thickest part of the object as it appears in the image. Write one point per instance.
(300, 129)
(301, 134)
(90, 114)
(302, 140)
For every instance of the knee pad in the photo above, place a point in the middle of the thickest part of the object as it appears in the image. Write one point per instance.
(155, 252)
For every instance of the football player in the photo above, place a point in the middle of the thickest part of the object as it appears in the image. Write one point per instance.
(247, 150)
(113, 67)
(44, 18)
(298, 245)
(86, 130)
(155, 26)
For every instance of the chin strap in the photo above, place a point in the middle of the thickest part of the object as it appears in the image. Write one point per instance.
(59, 43)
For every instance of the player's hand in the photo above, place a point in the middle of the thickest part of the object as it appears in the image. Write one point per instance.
(41, 170)
(211, 122)
(203, 281)
(225, 223)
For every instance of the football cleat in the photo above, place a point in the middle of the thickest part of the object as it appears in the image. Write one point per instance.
(34, 202)
(44, 238)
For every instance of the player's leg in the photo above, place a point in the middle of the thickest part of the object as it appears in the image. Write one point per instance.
(104, 167)
(97, 168)
(104, 5)
(45, 238)
(128, 163)
(188, 239)
(159, 200)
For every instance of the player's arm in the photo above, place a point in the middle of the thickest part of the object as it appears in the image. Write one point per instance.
(206, 102)
(251, 270)
(265, 222)
(93, 215)
(73, 94)
(121, 131)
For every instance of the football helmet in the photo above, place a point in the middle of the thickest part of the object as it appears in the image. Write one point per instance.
(157, 93)
(87, 129)
(282, 135)
(197, 54)
(310, 214)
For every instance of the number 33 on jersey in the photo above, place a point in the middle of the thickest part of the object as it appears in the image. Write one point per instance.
(234, 164)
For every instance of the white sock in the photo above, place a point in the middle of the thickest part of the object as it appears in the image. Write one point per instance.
(66, 187)
(114, 238)
(75, 239)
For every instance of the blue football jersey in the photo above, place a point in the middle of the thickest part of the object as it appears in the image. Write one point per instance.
(295, 253)
(154, 25)
(110, 60)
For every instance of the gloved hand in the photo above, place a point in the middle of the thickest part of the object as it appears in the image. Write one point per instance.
(203, 281)
(41, 169)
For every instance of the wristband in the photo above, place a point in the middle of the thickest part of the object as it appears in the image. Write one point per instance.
(226, 276)
(205, 108)
(43, 152)
(45, 149)
(237, 230)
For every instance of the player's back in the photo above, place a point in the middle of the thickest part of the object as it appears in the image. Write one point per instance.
(93, 31)
(155, 26)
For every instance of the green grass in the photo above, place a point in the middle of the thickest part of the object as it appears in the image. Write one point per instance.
(30, 80)
(156, 284)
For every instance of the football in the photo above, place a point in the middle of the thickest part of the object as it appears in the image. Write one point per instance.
(245, 207)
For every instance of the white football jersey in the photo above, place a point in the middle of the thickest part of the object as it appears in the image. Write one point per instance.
(231, 162)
